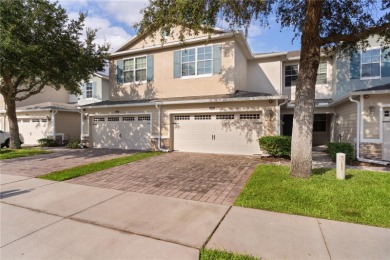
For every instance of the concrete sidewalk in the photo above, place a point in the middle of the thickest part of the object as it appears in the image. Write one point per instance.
(45, 219)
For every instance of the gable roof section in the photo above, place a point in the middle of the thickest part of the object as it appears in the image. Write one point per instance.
(137, 37)
(239, 36)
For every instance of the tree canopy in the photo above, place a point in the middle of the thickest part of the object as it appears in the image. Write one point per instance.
(40, 46)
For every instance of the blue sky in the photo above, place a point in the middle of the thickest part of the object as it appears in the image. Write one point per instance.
(114, 19)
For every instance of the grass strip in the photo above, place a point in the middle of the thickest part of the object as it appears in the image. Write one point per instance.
(6, 153)
(211, 254)
(95, 167)
(363, 198)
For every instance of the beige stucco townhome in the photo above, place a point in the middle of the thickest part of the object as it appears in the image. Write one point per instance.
(213, 95)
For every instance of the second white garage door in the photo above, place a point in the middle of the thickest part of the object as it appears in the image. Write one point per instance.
(121, 132)
(33, 129)
(218, 133)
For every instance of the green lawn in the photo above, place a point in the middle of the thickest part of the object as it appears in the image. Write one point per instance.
(364, 197)
(6, 153)
(209, 254)
(94, 167)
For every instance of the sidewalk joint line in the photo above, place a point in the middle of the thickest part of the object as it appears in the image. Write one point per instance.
(55, 222)
(216, 227)
(323, 237)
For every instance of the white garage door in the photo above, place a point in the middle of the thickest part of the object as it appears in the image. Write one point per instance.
(121, 132)
(386, 141)
(218, 133)
(33, 129)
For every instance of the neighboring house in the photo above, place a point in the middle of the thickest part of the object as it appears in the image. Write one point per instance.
(53, 113)
(214, 95)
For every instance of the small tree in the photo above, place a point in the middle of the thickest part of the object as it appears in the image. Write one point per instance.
(40, 46)
(319, 24)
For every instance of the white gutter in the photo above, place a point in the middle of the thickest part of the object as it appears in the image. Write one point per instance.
(358, 137)
(269, 55)
(179, 102)
(158, 107)
(81, 111)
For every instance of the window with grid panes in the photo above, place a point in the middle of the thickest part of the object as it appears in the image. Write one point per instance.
(290, 75)
(371, 63)
(134, 69)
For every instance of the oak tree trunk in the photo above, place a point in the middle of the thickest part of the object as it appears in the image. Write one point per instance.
(302, 135)
(13, 123)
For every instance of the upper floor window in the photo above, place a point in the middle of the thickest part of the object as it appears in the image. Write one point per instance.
(89, 90)
(290, 75)
(322, 72)
(371, 63)
(134, 69)
(196, 61)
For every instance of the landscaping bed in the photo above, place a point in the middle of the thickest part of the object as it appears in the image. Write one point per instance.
(362, 198)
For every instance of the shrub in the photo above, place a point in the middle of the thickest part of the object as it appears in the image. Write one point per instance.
(278, 146)
(347, 148)
(47, 142)
(73, 144)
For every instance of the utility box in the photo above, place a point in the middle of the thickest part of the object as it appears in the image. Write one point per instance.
(340, 166)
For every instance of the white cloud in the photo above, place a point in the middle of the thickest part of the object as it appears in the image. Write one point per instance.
(125, 11)
(107, 32)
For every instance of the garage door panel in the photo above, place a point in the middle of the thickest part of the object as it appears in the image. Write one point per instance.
(33, 129)
(230, 134)
(123, 134)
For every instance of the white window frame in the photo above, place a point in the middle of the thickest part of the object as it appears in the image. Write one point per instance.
(135, 70)
(380, 64)
(284, 75)
(87, 90)
(196, 62)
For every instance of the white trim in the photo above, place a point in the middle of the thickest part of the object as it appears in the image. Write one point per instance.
(268, 55)
(196, 61)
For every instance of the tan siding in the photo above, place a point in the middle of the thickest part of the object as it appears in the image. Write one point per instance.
(48, 94)
(264, 75)
(69, 124)
(346, 122)
(240, 69)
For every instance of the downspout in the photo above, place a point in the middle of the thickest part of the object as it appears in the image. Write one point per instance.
(358, 136)
(53, 121)
(81, 111)
(279, 106)
(158, 107)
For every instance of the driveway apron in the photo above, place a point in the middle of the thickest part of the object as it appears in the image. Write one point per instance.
(201, 177)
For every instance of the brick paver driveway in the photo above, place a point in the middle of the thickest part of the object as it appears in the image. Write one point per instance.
(201, 177)
(60, 159)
